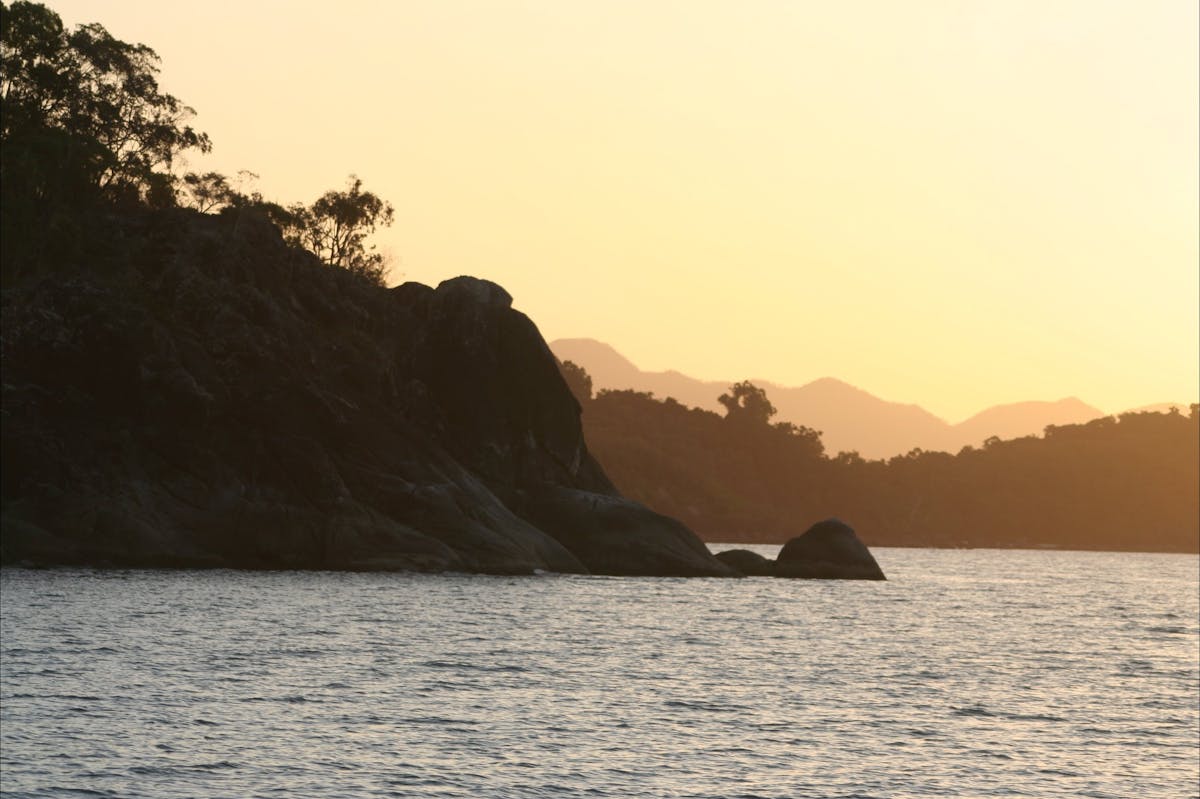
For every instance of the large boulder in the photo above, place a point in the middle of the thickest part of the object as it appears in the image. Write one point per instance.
(828, 550)
(508, 413)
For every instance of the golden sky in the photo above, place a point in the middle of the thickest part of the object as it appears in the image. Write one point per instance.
(944, 202)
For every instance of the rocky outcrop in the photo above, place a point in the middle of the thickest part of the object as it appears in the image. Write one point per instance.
(614, 535)
(201, 394)
(828, 550)
(748, 563)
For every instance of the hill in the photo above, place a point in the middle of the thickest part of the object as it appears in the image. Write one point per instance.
(1019, 419)
(1123, 483)
(850, 419)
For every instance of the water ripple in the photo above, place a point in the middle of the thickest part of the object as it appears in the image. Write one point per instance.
(970, 673)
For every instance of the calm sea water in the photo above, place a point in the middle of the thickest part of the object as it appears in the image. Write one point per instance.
(969, 673)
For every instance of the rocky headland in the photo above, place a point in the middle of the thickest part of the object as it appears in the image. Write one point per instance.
(196, 393)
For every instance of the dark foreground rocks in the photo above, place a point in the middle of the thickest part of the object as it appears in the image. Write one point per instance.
(192, 392)
(748, 563)
(828, 550)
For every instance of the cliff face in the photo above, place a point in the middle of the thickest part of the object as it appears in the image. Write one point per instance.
(199, 394)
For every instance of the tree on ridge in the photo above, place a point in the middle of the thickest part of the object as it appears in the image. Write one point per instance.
(577, 379)
(747, 403)
(336, 226)
(83, 114)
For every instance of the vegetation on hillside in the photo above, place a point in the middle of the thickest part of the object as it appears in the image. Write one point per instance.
(86, 129)
(1123, 483)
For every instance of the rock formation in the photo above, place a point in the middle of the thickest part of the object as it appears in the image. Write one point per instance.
(828, 550)
(748, 563)
(201, 394)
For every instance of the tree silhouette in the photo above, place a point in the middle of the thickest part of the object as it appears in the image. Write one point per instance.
(336, 227)
(747, 403)
(82, 113)
(206, 192)
(578, 380)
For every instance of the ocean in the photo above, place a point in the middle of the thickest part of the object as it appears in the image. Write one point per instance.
(969, 673)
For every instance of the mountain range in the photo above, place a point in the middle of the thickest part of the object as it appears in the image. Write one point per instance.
(850, 419)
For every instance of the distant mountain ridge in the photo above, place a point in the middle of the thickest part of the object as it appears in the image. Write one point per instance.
(849, 418)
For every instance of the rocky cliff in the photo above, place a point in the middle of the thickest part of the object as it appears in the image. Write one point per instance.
(193, 392)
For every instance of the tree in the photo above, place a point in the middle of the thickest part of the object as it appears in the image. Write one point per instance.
(578, 380)
(336, 226)
(807, 437)
(81, 113)
(747, 403)
(206, 192)
(210, 192)
(847, 459)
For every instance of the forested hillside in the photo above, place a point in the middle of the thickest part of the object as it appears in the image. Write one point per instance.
(1116, 483)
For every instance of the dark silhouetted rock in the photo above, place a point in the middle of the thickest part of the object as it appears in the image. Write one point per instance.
(614, 535)
(748, 563)
(828, 550)
(202, 395)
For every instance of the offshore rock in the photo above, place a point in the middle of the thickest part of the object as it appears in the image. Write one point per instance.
(829, 550)
(201, 394)
(748, 563)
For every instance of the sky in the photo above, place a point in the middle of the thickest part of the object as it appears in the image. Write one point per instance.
(953, 203)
